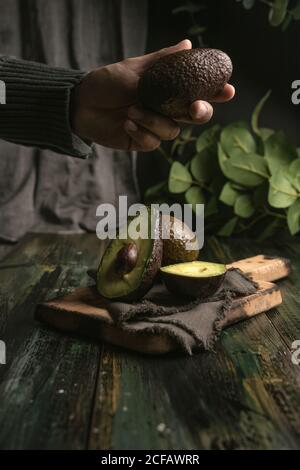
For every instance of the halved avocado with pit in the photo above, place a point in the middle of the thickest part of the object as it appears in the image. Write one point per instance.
(129, 266)
(196, 279)
(177, 236)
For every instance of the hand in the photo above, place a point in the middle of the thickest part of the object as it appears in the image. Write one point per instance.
(106, 109)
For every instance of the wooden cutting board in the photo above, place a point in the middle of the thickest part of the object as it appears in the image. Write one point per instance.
(84, 312)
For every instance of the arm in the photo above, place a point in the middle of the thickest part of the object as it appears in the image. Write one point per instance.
(37, 109)
(63, 109)
(106, 108)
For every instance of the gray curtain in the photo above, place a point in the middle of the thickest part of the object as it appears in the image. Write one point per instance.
(39, 189)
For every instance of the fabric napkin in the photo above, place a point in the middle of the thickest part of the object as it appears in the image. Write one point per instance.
(192, 324)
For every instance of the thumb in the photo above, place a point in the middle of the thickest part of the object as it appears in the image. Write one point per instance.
(148, 59)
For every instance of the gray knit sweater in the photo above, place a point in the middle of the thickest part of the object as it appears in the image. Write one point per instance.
(37, 108)
(42, 188)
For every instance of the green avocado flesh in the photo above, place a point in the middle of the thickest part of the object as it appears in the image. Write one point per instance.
(196, 279)
(113, 283)
(195, 269)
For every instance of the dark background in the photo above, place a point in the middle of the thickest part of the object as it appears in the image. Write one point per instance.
(263, 58)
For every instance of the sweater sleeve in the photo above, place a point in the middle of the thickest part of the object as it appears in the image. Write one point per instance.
(37, 106)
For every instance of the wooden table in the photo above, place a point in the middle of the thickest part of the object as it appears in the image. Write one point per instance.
(62, 392)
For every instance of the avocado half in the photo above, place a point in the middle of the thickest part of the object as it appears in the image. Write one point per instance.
(175, 245)
(196, 279)
(173, 82)
(129, 266)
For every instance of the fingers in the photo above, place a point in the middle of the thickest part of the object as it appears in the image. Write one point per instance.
(226, 94)
(200, 112)
(148, 59)
(140, 139)
(161, 126)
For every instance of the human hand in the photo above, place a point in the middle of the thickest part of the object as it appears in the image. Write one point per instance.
(106, 109)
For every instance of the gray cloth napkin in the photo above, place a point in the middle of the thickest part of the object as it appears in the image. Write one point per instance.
(192, 324)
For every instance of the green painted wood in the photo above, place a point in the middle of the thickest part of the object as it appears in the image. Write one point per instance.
(59, 391)
(5, 249)
(47, 385)
(245, 396)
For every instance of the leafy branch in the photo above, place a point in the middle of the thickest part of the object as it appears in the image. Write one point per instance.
(281, 13)
(247, 177)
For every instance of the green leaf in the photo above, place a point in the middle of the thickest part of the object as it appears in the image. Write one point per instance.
(260, 195)
(257, 111)
(279, 152)
(224, 161)
(265, 133)
(217, 182)
(180, 149)
(248, 4)
(278, 11)
(211, 208)
(243, 206)
(240, 124)
(186, 133)
(179, 178)
(268, 231)
(237, 141)
(293, 217)
(201, 166)
(228, 228)
(228, 194)
(249, 170)
(294, 173)
(155, 190)
(195, 30)
(194, 196)
(281, 192)
(190, 7)
(287, 21)
(207, 138)
(295, 12)
(175, 144)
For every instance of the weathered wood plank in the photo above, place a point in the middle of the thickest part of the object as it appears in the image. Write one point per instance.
(5, 249)
(50, 248)
(245, 396)
(47, 385)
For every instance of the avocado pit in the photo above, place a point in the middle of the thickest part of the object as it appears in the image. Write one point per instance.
(126, 258)
(129, 265)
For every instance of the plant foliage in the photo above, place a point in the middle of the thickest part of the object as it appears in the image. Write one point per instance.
(247, 177)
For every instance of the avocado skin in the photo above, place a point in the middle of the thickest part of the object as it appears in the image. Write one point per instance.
(174, 249)
(173, 82)
(150, 271)
(192, 287)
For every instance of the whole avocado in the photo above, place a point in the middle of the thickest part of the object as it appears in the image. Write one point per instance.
(173, 82)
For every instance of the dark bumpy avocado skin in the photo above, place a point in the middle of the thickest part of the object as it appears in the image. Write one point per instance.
(150, 272)
(174, 247)
(172, 83)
